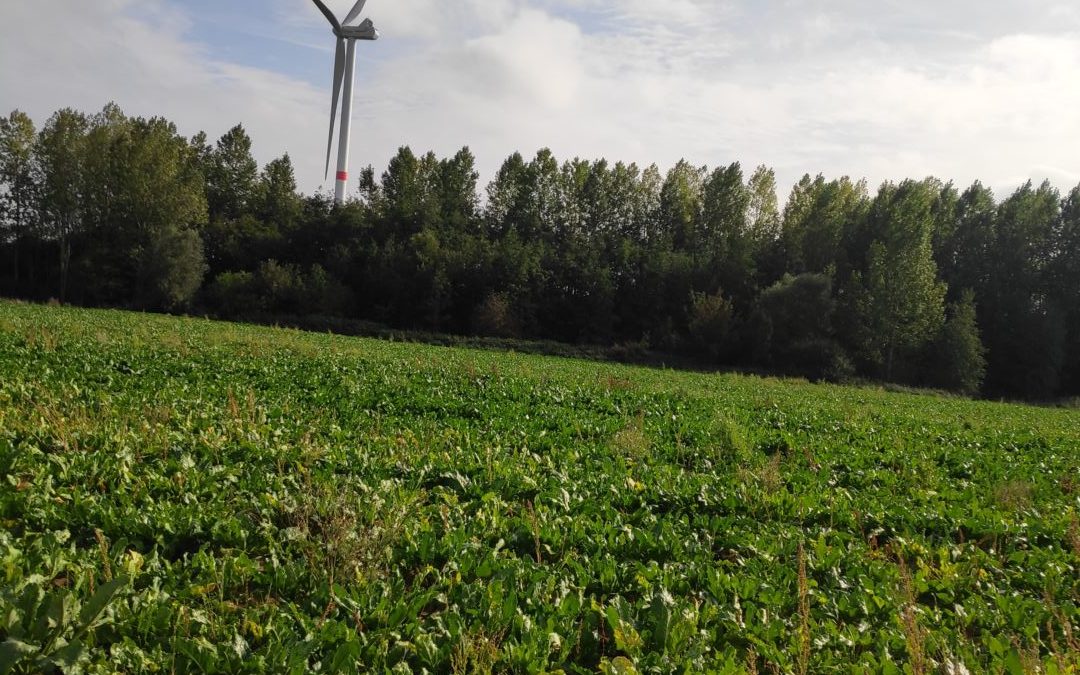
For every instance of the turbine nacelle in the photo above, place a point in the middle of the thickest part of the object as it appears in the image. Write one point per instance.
(365, 31)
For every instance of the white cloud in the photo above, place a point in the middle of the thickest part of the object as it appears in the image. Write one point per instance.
(101, 52)
(888, 91)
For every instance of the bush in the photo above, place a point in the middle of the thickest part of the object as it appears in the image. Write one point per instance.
(279, 290)
(171, 269)
(729, 440)
(959, 358)
(234, 294)
(793, 313)
(494, 317)
(325, 294)
(819, 359)
(710, 323)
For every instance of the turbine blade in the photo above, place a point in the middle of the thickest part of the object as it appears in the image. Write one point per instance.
(328, 14)
(339, 75)
(357, 8)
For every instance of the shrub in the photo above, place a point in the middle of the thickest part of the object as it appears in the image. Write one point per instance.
(959, 358)
(171, 269)
(710, 323)
(729, 440)
(494, 317)
(234, 293)
(819, 359)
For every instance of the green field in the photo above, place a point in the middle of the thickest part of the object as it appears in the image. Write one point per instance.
(181, 495)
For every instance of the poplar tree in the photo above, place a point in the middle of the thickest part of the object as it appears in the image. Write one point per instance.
(18, 187)
(900, 302)
(59, 157)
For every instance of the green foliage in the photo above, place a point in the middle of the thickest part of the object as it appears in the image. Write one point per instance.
(18, 199)
(495, 317)
(710, 322)
(232, 176)
(171, 269)
(234, 293)
(48, 628)
(818, 218)
(899, 301)
(275, 501)
(792, 328)
(959, 357)
(278, 289)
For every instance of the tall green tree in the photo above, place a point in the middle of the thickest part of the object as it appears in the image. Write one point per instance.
(163, 198)
(59, 158)
(459, 205)
(963, 251)
(504, 196)
(232, 176)
(102, 268)
(406, 192)
(762, 209)
(1064, 280)
(726, 234)
(1025, 327)
(18, 187)
(280, 202)
(819, 219)
(542, 197)
(899, 300)
(681, 205)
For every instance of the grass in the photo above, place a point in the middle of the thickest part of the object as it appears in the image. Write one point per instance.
(185, 495)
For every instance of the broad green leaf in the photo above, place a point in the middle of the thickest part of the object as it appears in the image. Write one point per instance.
(70, 656)
(97, 604)
(1014, 665)
(13, 651)
(620, 665)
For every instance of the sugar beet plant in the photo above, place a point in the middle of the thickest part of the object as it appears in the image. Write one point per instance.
(186, 496)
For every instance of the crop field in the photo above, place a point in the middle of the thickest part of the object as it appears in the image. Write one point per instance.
(180, 495)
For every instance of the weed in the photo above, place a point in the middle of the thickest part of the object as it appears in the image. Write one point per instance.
(631, 441)
(341, 537)
(751, 662)
(476, 653)
(804, 614)
(1014, 495)
(729, 441)
(1074, 534)
(534, 527)
(914, 634)
(103, 552)
(41, 338)
(770, 476)
(1065, 651)
(614, 383)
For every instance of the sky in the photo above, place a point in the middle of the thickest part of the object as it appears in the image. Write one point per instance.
(886, 90)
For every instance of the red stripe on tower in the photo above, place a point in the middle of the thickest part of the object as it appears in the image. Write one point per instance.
(343, 176)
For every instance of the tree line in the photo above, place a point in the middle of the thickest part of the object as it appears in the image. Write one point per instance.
(919, 282)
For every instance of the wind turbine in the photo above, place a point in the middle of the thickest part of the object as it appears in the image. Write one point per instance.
(343, 71)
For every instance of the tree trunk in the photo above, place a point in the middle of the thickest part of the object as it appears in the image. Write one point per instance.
(15, 249)
(18, 243)
(889, 361)
(65, 260)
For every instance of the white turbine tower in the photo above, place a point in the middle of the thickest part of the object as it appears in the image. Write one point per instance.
(343, 71)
